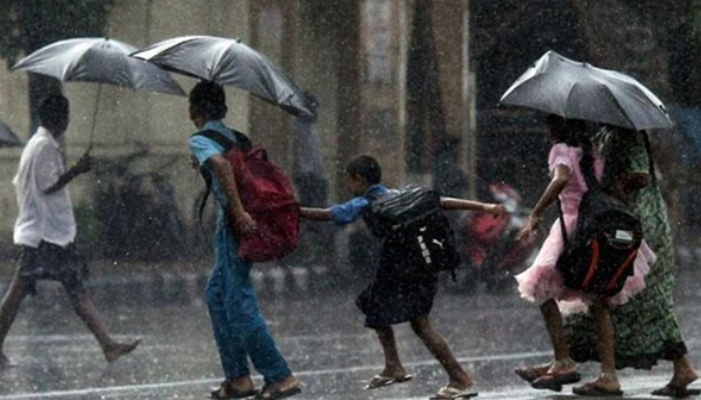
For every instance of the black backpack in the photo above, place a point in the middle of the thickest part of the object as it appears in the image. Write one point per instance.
(600, 254)
(414, 230)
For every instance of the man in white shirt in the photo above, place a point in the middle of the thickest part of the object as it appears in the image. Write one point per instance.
(45, 229)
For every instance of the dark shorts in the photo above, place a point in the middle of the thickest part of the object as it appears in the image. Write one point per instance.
(51, 262)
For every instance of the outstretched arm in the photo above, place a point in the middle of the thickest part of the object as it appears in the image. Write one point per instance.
(451, 203)
(317, 214)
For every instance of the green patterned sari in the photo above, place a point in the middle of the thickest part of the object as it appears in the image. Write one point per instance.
(646, 327)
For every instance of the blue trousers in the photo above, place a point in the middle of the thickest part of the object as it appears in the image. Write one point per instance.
(239, 329)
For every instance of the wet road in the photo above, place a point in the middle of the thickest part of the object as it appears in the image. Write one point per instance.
(322, 337)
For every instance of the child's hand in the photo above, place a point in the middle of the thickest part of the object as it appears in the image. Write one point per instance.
(528, 229)
(83, 165)
(243, 225)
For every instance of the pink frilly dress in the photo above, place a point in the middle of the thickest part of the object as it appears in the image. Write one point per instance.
(541, 281)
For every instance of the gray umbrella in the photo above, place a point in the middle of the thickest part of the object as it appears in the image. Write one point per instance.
(229, 62)
(571, 89)
(98, 60)
(7, 137)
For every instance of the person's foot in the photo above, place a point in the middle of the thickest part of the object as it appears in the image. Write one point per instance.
(380, 381)
(529, 374)
(606, 385)
(561, 372)
(684, 374)
(114, 351)
(280, 390)
(234, 388)
(397, 372)
(464, 382)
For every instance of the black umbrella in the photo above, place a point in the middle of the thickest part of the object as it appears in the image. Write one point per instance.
(98, 60)
(571, 89)
(229, 62)
(7, 137)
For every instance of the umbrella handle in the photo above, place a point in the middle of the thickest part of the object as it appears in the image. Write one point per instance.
(94, 118)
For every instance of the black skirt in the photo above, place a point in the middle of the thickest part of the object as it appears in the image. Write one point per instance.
(396, 296)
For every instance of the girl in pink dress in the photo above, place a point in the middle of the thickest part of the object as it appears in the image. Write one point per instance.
(542, 284)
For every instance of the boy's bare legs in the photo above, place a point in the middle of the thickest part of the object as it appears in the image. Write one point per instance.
(86, 311)
(459, 379)
(393, 366)
(553, 322)
(9, 308)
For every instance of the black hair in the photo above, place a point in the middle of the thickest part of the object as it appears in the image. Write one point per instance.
(568, 131)
(365, 167)
(208, 100)
(53, 110)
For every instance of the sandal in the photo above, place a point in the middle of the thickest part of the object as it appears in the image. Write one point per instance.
(451, 393)
(674, 391)
(270, 394)
(554, 381)
(591, 389)
(227, 391)
(529, 374)
(380, 381)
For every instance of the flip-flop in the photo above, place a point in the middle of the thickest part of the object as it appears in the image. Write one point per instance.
(230, 392)
(675, 391)
(591, 389)
(279, 394)
(451, 393)
(380, 381)
(554, 381)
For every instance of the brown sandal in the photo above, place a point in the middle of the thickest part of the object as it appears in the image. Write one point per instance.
(675, 391)
(529, 374)
(554, 380)
(227, 391)
(591, 389)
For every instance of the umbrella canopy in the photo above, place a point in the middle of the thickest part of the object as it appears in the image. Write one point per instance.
(7, 137)
(571, 89)
(229, 62)
(98, 60)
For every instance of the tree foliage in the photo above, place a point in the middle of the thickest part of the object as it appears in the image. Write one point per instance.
(30, 24)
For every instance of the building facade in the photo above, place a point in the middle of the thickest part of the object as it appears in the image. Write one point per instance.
(392, 78)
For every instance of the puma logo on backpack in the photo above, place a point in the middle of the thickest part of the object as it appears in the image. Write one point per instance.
(414, 229)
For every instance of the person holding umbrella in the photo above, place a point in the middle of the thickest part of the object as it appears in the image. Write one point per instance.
(240, 331)
(46, 227)
(542, 283)
(646, 327)
(630, 175)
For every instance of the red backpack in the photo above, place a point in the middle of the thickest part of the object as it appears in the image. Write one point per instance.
(266, 194)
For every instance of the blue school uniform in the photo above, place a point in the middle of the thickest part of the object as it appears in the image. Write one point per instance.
(239, 329)
(391, 298)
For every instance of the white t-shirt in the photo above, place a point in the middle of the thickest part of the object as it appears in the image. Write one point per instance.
(47, 217)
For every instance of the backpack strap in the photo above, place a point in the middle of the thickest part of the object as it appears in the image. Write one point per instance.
(563, 228)
(242, 142)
